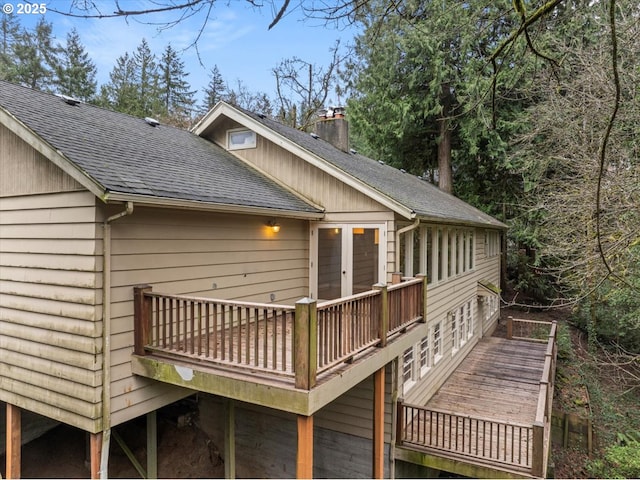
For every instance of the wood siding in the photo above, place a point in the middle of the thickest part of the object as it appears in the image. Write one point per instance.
(266, 438)
(446, 296)
(26, 171)
(50, 306)
(210, 255)
(300, 176)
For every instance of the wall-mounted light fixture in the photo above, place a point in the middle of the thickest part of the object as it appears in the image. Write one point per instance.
(275, 226)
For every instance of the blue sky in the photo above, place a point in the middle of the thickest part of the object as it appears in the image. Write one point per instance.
(236, 39)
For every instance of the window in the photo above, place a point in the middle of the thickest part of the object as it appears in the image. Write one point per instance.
(425, 361)
(469, 318)
(408, 373)
(455, 333)
(463, 324)
(491, 244)
(436, 337)
(240, 139)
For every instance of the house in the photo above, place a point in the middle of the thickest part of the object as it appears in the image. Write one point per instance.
(114, 230)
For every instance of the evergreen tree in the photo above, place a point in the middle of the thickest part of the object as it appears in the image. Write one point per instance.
(420, 85)
(76, 75)
(9, 32)
(36, 57)
(215, 91)
(146, 80)
(121, 93)
(175, 95)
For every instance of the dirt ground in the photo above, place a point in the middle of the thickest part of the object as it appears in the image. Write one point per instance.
(184, 451)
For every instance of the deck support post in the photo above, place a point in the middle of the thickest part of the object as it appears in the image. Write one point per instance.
(229, 439)
(509, 327)
(95, 454)
(304, 458)
(14, 441)
(306, 343)
(152, 445)
(383, 323)
(378, 423)
(141, 318)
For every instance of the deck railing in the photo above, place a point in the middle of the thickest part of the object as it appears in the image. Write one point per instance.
(518, 445)
(495, 441)
(298, 341)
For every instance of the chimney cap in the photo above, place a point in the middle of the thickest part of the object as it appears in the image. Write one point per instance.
(336, 111)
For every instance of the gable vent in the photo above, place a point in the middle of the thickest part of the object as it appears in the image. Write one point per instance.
(152, 121)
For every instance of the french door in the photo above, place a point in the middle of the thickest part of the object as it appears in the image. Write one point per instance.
(346, 259)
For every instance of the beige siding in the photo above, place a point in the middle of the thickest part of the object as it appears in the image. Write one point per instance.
(25, 171)
(446, 296)
(211, 255)
(50, 313)
(300, 176)
(352, 413)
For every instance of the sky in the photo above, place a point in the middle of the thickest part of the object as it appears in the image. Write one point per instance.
(236, 39)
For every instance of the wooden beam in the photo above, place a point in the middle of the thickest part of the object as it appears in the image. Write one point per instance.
(229, 439)
(152, 445)
(304, 459)
(142, 318)
(378, 423)
(14, 441)
(95, 447)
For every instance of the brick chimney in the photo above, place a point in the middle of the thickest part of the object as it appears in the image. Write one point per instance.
(333, 127)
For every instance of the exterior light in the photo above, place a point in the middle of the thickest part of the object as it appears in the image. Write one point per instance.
(275, 226)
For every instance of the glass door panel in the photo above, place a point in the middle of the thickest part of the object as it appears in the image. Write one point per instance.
(329, 263)
(365, 258)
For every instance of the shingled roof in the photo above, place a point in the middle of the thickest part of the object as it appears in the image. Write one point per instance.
(128, 156)
(422, 198)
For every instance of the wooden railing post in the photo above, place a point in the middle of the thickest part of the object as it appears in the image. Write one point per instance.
(141, 318)
(383, 320)
(399, 421)
(396, 277)
(306, 343)
(538, 454)
(509, 327)
(424, 296)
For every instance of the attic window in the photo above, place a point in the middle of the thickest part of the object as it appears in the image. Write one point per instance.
(241, 138)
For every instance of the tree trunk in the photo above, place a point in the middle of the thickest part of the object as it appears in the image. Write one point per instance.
(445, 173)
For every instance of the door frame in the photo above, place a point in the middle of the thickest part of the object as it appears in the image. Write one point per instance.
(347, 253)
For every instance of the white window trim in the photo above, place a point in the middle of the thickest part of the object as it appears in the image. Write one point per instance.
(251, 144)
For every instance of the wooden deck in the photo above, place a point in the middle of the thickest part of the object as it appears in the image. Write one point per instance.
(499, 379)
(297, 344)
(492, 411)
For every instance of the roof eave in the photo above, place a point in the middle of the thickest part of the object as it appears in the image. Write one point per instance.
(452, 221)
(165, 202)
(54, 155)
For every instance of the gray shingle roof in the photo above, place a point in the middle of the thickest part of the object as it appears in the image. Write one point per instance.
(126, 155)
(425, 199)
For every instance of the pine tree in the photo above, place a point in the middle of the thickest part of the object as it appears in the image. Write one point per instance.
(215, 91)
(76, 75)
(121, 93)
(37, 57)
(176, 98)
(146, 79)
(9, 32)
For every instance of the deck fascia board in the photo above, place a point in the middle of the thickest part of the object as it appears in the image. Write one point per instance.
(448, 463)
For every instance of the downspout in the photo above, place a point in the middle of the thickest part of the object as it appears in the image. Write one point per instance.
(106, 337)
(413, 226)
